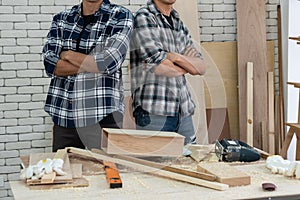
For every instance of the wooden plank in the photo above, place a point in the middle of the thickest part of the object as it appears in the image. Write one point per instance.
(251, 31)
(128, 121)
(142, 142)
(76, 170)
(35, 158)
(77, 182)
(60, 154)
(191, 173)
(217, 123)
(280, 75)
(264, 136)
(224, 56)
(286, 143)
(188, 11)
(201, 152)
(225, 173)
(152, 170)
(250, 103)
(277, 125)
(297, 145)
(271, 109)
(263, 154)
(48, 178)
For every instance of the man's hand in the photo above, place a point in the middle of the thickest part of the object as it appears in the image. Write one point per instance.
(167, 68)
(189, 61)
(191, 52)
(63, 55)
(66, 68)
(86, 63)
(174, 57)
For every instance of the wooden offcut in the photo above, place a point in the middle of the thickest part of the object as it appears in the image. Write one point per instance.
(48, 178)
(280, 116)
(251, 37)
(225, 173)
(250, 103)
(142, 142)
(271, 113)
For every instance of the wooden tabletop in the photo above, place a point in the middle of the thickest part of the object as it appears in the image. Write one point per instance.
(138, 185)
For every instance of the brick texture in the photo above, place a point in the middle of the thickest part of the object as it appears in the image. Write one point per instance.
(24, 126)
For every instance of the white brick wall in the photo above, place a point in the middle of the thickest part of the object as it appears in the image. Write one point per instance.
(24, 127)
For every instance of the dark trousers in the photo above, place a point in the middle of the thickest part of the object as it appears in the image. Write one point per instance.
(84, 137)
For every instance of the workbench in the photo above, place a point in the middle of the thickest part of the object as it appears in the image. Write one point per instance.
(137, 185)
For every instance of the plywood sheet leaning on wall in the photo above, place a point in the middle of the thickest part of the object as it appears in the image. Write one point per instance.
(251, 37)
(224, 56)
(188, 11)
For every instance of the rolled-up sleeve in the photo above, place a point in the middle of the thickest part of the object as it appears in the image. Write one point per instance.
(147, 40)
(189, 44)
(52, 47)
(110, 55)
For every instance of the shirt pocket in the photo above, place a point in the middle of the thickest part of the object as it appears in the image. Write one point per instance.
(70, 42)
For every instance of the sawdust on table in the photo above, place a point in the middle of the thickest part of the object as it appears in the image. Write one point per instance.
(89, 167)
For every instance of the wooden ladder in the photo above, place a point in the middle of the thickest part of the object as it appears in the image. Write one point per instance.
(294, 129)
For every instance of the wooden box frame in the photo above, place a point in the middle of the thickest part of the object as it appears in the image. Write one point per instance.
(142, 142)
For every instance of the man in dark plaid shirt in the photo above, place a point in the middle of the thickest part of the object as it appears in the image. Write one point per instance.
(162, 52)
(83, 54)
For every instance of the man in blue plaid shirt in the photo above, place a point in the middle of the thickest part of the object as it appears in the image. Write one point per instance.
(162, 52)
(83, 54)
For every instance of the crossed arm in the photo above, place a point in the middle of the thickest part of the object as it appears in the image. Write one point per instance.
(71, 63)
(176, 64)
(107, 59)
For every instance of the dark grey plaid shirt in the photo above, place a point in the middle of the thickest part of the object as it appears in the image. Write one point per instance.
(84, 99)
(152, 38)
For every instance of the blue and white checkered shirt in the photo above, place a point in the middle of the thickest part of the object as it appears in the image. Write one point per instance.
(86, 98)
